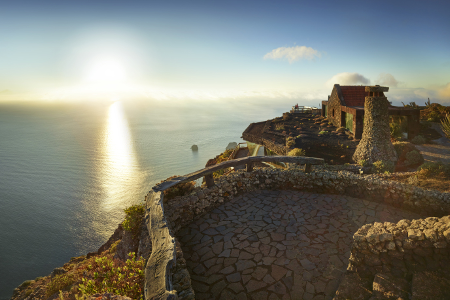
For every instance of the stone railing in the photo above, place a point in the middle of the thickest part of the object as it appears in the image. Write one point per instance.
(165, 277)
(403, 248)
(181, 211)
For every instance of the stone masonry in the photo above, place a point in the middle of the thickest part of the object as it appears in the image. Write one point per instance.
(376, 143)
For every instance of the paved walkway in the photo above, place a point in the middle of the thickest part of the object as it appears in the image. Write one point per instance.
(277, 244)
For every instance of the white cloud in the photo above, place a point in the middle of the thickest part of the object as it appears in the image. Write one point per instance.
(386, 79)
(444, 92)
(293, 54)
(347, 78)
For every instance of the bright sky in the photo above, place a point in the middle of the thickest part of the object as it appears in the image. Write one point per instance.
(222, 49)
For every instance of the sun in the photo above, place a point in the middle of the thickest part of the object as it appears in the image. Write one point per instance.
(106, 71)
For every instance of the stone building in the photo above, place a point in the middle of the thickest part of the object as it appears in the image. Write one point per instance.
(345, 108)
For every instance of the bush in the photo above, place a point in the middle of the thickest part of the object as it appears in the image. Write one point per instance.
(383, 166)
(413, 158)
(113, 276)
(363, 163)
(133, 218)
(324, 132)
(433, 169)
(290, 142)
(402, 148)
(297, 152)
(445, 125)
(279, 127)
(418, 140)
(180, 189)
(60, 282)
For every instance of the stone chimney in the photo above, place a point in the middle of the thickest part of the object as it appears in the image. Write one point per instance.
(375, 143)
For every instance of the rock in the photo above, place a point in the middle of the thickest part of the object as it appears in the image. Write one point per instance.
(58, 271)
(194, 148)
(231, 145)
(126, 245)
(145, 242)
(353, 287)
(429, 285)
(108, 296)
(386, 286)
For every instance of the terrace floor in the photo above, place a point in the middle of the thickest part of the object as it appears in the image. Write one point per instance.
(277, 244)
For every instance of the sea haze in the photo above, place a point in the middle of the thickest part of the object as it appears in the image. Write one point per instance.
(67, 171)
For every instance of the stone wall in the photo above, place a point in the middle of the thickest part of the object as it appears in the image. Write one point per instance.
(180, 211)
(401, 249)
(334, 104)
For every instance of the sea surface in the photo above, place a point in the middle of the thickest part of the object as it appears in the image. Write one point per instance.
(67, 170)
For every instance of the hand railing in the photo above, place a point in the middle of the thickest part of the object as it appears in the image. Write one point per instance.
(248, 161)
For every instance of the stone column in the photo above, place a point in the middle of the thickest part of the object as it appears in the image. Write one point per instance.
(375, 143)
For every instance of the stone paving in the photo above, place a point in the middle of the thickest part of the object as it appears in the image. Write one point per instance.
(277, 244)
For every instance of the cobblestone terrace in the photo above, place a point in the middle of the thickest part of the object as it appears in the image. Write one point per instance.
(277, 244)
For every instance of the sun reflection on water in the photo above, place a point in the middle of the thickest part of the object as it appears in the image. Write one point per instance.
(121, 174)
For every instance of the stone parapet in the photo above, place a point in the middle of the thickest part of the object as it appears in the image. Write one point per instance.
(375, 245)
(402, 249)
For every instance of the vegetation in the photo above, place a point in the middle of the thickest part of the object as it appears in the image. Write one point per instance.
(431, 169)
(434, 112)
(418, 140)
(60, 282)
(383, 166)
(445, 125)
(180, 189)
(397, 125)
(363, 163)
(413, 158)
(324, 132)
(297, 152)
(290, 142)
(133, 218)
(279, 127)
(114, 276)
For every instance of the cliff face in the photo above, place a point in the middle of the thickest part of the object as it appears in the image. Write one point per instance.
(64, 281)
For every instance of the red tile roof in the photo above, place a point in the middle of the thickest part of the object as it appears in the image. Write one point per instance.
(354, 95)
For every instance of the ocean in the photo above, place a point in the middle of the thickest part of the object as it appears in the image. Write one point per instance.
(67, 170)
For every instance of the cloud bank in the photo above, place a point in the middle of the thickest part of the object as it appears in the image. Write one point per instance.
(293, 54)
(386, 79)
(347, 78)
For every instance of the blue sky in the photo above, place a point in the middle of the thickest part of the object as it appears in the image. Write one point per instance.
(295, 49)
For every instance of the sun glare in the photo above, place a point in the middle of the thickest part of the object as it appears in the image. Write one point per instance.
(106, 70)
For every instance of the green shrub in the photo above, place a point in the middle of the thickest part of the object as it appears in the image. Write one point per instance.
(279, 127)
(60, 282)
(297, 152)
(433, 169)
(133, 218)
(324, 132)
(290, 142)
(363, 163)
(445, 125)
(383, 166)
(180, 189)
(395, 129)
(112, 277)
(418, 140)
(413, 158)
(434, 117)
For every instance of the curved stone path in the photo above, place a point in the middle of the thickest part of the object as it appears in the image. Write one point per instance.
(277, 244)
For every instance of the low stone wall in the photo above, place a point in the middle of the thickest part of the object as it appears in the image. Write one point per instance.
(180, 211)
(183, 210)
(401, 249)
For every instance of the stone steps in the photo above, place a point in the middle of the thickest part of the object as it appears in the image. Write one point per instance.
(426, 285)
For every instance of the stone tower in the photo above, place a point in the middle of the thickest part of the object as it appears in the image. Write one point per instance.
(375, 143)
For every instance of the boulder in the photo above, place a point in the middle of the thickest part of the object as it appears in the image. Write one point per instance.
(231, 145)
